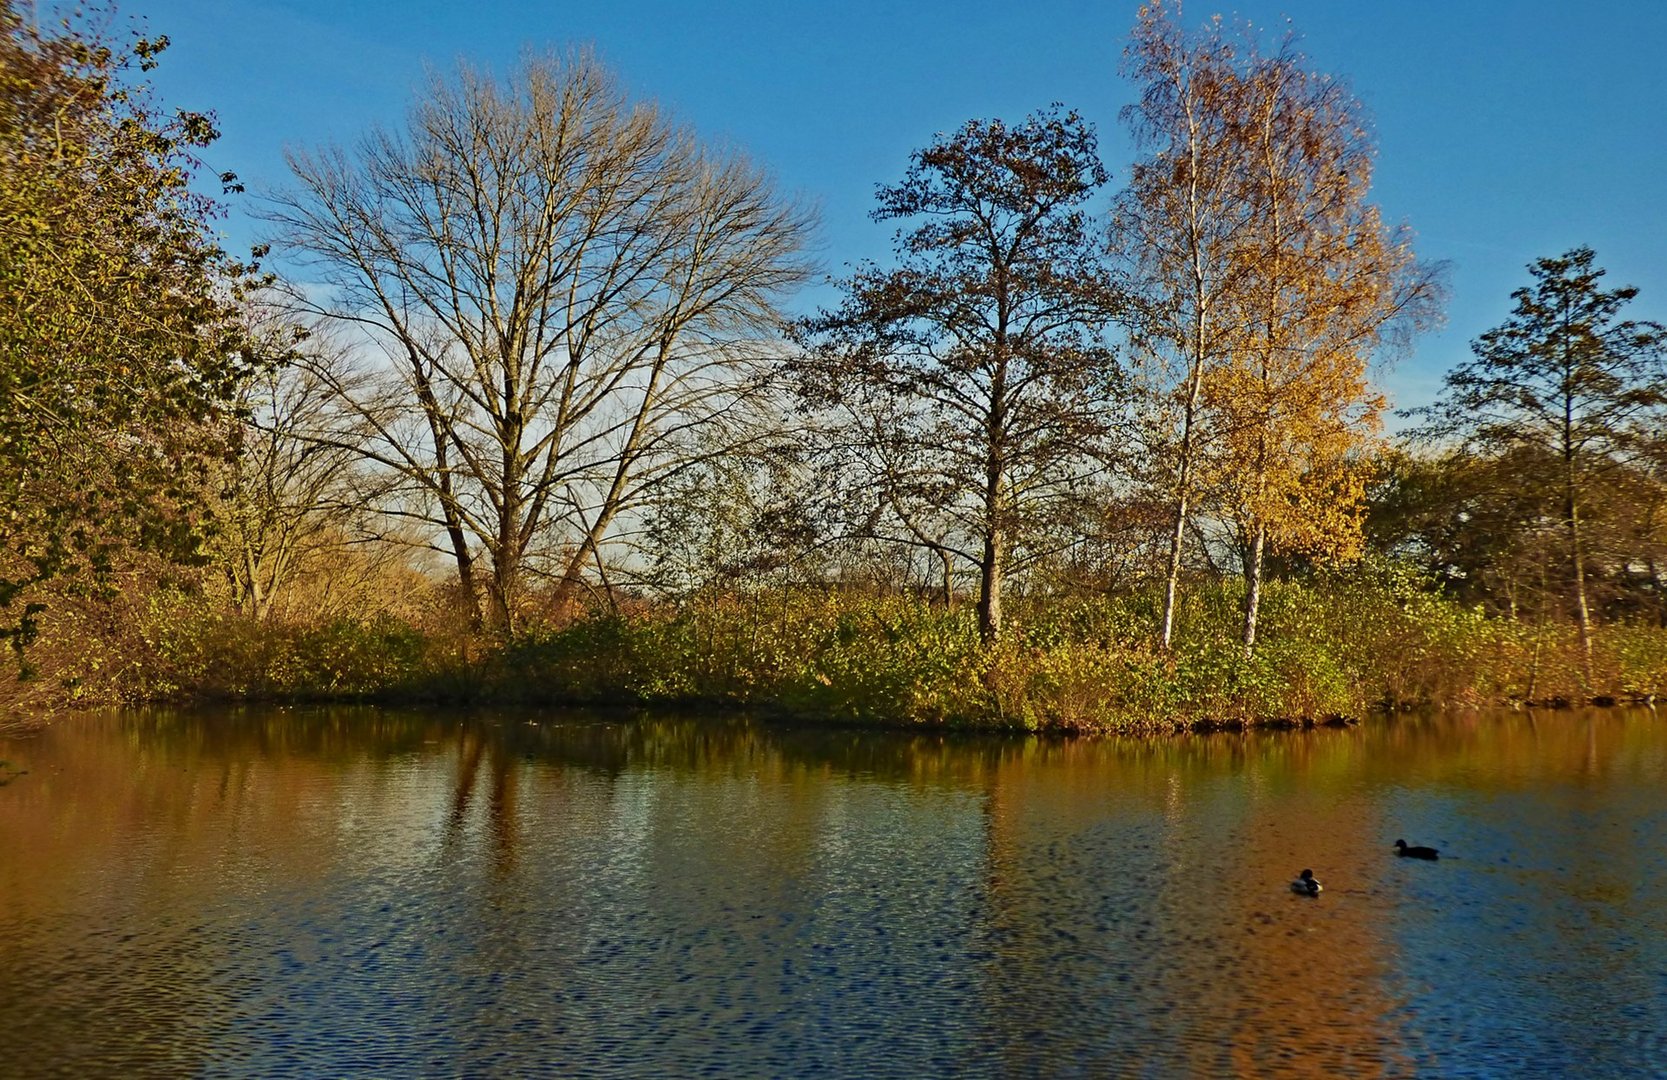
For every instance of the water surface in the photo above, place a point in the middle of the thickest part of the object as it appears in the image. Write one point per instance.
(341, 892)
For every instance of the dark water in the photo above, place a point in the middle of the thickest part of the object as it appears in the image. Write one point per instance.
(339, 893)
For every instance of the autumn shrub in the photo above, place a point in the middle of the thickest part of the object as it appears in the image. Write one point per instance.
(578, 661)
(81, 655)
(876, 659)
(93, 643)
(1398, 639)
(1081, 686)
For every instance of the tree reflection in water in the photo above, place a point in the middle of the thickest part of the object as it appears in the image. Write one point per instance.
(323, 891)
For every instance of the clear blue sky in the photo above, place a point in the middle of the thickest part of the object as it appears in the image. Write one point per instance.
(1506, 130)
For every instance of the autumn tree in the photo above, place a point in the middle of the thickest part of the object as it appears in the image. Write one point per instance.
(1572, 382)
(1178, 229)
(121, 348)
(969, 381)
(1261, 281)
(1323, 283)
(572, 297)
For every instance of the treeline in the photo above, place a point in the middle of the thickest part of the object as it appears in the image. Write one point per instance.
(528, 416)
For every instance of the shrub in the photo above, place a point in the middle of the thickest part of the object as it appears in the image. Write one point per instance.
(1337, 643)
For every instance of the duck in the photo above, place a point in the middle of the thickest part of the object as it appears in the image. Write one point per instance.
(1406, 852)
(1305, 884)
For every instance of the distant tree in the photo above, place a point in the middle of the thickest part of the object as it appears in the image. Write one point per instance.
(734, 522)
(1570, 380)
(574, 298)
(971, 380)
(1479, 525)
(1626, 537)
(1491, 529)
(294, 504)
(1648, 517)
(121, 346)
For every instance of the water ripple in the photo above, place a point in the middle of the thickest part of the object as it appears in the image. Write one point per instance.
(312, 894)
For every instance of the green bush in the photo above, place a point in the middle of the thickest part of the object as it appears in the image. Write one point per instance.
(195, 652)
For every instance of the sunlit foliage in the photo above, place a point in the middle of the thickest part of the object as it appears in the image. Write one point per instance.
(120, 342)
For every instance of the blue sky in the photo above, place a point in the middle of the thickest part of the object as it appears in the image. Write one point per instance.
(1507, 131)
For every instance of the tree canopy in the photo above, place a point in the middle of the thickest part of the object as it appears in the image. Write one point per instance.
(569, 295)
(971, 379)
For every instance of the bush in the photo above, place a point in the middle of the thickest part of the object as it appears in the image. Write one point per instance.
(1339, 643)
(198, 653)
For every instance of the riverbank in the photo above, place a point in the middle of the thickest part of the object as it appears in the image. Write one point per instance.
(1333, 649)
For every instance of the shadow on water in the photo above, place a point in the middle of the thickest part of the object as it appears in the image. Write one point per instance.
(335, 891)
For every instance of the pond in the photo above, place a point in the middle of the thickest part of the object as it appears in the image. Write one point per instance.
(359, 892)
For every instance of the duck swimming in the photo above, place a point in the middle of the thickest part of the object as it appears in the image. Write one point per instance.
(1405, 852)
(1305, 884)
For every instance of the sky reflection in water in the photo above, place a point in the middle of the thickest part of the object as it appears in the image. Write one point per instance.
(340, 892)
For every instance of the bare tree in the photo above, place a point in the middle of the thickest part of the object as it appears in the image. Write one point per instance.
(296, 529)
(572, 296)
(280, 487)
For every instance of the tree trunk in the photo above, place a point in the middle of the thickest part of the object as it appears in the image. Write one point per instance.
(989, 589)
(1571, 502)
(506, 576)
(1173, 585)
(443, 487)
(1582, 611)
(469, 591)
(990, 565)
(1195, 383)
(1183, 478)
(995, 475)
(247, 593)
(948, 579)
(1253, 588)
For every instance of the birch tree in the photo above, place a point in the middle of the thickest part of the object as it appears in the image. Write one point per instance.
(1263, 283)
(1323, 284)
(573, 299)
(1178, 229)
